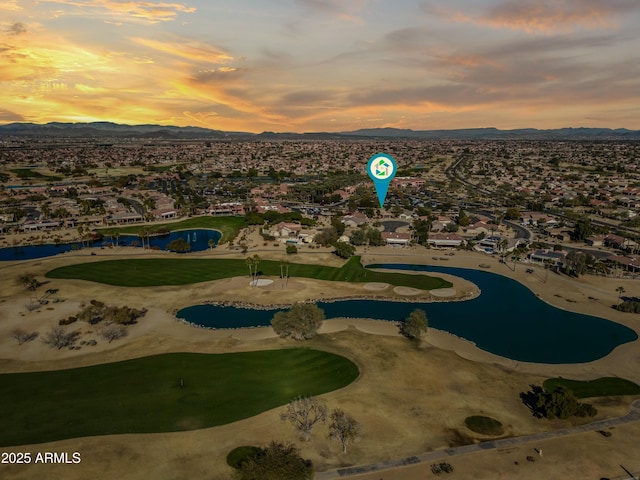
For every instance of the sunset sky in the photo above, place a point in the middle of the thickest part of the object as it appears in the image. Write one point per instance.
(322, 65)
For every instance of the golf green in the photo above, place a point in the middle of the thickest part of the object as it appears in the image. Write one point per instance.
(162, 393)
(150, 272)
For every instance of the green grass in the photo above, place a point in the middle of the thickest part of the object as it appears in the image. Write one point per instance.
(24, 173)
(484, 425)
(145, 395)
(179, 271)
(228, 226)
(601, 387)
(240, 454)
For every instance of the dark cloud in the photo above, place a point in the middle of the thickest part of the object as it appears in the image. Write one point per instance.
(546, 45)
(7, 116)
(17, 28)
(452, 94)
(308, 97)
(329, 7)
(218, 76)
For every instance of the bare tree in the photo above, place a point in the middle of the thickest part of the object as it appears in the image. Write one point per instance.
(59, 338)
(29, 281)
(22, 336)
(113, 332)
(343, 427)
(304, 413)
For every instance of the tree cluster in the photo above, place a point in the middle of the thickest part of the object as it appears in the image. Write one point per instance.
(326, 237)
(629, 306)
(306, 412)
(577, 263)
(272, 217)
(179, 245)
(364, 236)
(561, 403)
(344, 249)
(301, 322)
(421, 230)
(97, 312)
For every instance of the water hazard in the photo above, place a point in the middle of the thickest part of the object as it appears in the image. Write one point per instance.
(507, 319)
(198, 239)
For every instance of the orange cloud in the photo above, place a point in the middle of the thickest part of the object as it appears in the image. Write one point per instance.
(548, 16)
(337, 8)
(187, 49)
(543, 16)
(11, 5)
(151, 12)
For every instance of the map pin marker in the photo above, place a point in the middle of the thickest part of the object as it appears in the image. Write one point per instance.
(381, 169)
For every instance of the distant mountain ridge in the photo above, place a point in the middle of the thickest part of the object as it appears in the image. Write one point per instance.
(168, 132)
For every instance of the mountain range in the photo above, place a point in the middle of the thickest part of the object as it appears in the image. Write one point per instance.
(115, 130)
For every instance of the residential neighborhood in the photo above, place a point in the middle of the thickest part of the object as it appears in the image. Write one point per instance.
(525, 199)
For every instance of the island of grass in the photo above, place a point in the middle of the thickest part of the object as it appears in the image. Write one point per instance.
(162, 393)
(151, 272)
(227, 226)
(601, 387)
(484, 425)
(27, 173)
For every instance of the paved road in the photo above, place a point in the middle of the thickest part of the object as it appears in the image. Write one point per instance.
(449, 453)
(393, 225)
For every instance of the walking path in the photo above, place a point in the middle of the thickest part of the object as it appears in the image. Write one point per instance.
(632, 416)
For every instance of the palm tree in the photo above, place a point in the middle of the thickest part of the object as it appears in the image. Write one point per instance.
(620, 291)
(256, 262)
(144, 232)
(81, 233)
(282, 273)
(211, 243)
(250, 263)
(45, 209)
(286, 276)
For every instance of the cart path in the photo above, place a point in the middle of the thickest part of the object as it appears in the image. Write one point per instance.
(632, 416)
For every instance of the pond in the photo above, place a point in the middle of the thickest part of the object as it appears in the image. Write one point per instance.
(507, 319)
(197, 238)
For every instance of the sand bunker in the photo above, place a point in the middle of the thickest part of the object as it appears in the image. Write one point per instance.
(376, 286)
(443, 292)
(407, 291)
(261, 282)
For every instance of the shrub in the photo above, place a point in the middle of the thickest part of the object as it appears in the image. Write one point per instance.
(629, 306)
(59, 338)
(240, 454)
(292, 249)
(68, 321)
(22, 336)
(277, 461)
